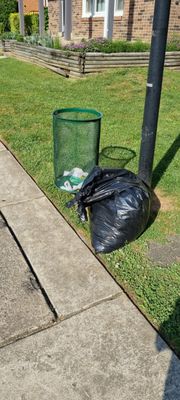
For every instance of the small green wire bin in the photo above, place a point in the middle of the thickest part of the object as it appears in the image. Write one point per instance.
(76, 133)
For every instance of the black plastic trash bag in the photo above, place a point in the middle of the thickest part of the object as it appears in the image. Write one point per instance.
(119, 207)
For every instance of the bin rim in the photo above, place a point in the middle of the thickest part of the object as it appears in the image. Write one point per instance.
(98, 114)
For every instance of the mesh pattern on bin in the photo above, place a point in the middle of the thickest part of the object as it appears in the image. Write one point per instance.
(76, 140)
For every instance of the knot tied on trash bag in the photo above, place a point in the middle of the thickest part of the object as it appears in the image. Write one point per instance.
(119, 206)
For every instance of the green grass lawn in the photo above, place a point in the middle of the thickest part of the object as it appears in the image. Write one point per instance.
(28, 96)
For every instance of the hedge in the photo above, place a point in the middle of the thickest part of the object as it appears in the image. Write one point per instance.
(102, 45)
(31, 23)
(7, 7)
(1, 28)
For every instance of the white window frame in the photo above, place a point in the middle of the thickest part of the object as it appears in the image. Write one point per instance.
(86, 14)
(96, 14)
(118, 13)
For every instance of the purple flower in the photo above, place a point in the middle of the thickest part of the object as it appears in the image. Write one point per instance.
(75, 46)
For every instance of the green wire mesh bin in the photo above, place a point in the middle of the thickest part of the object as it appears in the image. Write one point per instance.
(76, 134)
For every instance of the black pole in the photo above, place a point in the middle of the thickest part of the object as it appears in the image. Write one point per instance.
(153, 90)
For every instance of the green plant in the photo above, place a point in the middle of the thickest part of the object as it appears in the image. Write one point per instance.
(46, 41)
(6, 8)
(28, 24)
(46, 17)
(37, 40)
(19, 38)
(8, 36)
(31, 22)
(32, 39)
(14, 22)
(1, 28)
(108, 46)
(174, 43)
(56, 43)
(34, 23)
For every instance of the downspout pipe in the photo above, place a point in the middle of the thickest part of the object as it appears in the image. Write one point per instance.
(153, 89)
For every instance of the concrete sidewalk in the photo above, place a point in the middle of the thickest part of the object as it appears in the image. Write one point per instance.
(79, 336)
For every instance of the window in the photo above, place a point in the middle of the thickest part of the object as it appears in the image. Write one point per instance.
(118, 7)
(97, 7)
(87, 8)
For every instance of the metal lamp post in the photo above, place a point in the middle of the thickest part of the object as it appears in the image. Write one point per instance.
(153, 90)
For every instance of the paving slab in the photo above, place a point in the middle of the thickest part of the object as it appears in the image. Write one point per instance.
(71, 275)
(15, 184)
(23, 307)
(108, 352)
(2, 147)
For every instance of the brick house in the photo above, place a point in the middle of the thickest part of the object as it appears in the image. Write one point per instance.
(32, 6)
(132, 18)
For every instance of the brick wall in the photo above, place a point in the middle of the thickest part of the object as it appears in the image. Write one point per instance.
(54, 11)
(30, 6)
(174, 26)
(136, 22)
(94, 27)
(141, 16)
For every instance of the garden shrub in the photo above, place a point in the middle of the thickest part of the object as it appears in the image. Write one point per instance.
(31, 22)
(108, 46)
(92, 45)
(1, 28)
(28, 24)
(8, 36)
(46, 17)
(174, 43)
(14, 22)
(34, 23)
(37, 40)
(46, 41)
(118, 46)
(19, 38)
(56, 43)
(7, 7)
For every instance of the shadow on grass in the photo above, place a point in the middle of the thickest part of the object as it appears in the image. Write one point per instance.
(158, 173)
(170, 330)
(165, 162)
(115, 157)
(119, 157)
(155, 207)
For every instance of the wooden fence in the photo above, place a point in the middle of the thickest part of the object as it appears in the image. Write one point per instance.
(74, 64)
(67, 63)
(96, 62)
